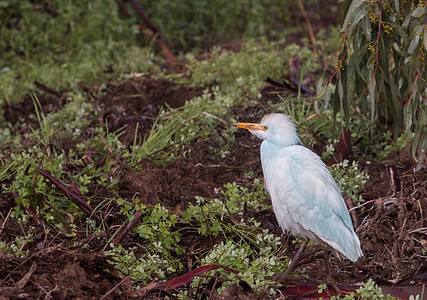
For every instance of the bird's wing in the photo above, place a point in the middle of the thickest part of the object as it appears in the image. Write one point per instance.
(300, 182)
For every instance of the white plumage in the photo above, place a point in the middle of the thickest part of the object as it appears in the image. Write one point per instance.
(306, 200)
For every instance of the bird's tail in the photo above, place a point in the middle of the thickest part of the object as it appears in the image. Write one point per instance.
(348, 246)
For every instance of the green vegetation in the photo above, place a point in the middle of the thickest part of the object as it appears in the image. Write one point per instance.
(247, 248)
(61, 44)
(143, 269)
(369, 290)
(350, 179)
(189, 24)
(381, 69)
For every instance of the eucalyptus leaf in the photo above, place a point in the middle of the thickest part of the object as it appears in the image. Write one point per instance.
(340, 91)
(413, 44)
(327, 96)
(407, 21)
(358, 14)
(418, 12)
(350, 74)
(400, 51)
(422, 146)
(419, 146)
(344, 9)
(425, 38)
(360, 56)
(415, 40)
(367, 28)
(401, 32)
(407, 114)
(396, 6)
(384, 64)
(349, 16)
(320, 85)
(371, 98)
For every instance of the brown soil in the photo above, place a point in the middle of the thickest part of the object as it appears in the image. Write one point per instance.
(137, 102)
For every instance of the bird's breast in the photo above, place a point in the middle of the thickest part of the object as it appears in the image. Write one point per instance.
(274, 164)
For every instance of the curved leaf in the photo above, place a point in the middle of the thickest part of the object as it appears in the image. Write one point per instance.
(359, 13)
(349, 15)
(418, 12)
(425, 38)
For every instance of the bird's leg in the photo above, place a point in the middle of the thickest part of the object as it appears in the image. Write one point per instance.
(295, 259)
(327, 262)
(329, 280)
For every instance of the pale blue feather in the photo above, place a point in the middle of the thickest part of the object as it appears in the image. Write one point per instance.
(306, 200)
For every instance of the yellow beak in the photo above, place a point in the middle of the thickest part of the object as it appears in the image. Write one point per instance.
(251, 126)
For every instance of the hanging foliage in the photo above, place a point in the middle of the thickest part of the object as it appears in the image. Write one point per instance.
(381, 66)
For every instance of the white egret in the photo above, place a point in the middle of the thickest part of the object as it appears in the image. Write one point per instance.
(306, 200)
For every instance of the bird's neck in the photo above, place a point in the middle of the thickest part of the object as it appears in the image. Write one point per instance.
(269, 150)
(270, 147)
(269, 153)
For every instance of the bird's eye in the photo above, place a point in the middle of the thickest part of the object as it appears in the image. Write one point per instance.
(265, 127)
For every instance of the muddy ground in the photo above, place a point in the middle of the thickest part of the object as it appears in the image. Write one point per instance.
(391, 228)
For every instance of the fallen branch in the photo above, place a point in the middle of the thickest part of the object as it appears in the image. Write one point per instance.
(303, 87)
(151, 32)
(5, 221)
(115, 287)
(24, 280)
(73, 196)
(47, 89)
(125, 229)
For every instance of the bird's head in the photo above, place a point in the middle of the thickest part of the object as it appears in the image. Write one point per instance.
(275, 128)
